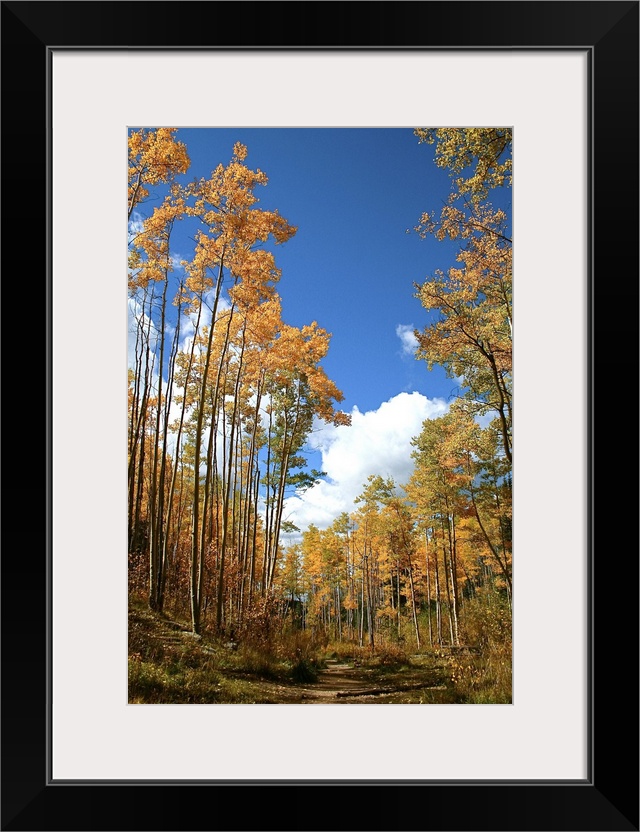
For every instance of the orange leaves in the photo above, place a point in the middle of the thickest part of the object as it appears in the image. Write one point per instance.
(240, 151)
(488, 149)
(471, 333)
(297, 354)
(154, 156)
(233, 230)
(279, 228)
(149, 256)
(341, 418)
(241, 352)
(163, 217)
(227, 197)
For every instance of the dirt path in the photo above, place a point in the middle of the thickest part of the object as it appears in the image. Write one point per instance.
(338, 678)
(343, 684)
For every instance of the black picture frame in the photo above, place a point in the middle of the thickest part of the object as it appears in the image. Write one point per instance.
(608, 798)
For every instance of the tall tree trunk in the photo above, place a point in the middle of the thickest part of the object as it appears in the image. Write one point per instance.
(361, 620)
(252, 578)
(502, 564)
(452, 575)
(174, 473)
(269, 499)
(407, 549)
(196, 554)
(155, 520)
(413, 604)
(398, 595)
(369, 603)
(447, 584)
(164, 525)
(227, 491)
(426, 557)
(438, 598)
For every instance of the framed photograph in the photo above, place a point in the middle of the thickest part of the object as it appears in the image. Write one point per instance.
(82, 748)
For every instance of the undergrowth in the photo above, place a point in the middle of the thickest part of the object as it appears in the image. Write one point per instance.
(168, 664)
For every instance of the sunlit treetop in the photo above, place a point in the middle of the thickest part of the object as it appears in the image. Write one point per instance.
(154, 157)
(487, 151)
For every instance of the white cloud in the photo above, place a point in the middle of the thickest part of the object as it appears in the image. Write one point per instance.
(136, 225)
(485, 419)
(188, 324)
(406, 334)
(140, 324)
(377, 442)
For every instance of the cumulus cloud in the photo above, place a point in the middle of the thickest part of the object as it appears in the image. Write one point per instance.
(485, 419)
(139, 323)
(136, 225)
(188, 325)
(376, 442)
(406, 334)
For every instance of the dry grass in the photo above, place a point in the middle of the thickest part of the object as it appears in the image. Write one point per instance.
(167, 664)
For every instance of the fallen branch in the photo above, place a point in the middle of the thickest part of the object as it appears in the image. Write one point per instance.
(379, 691)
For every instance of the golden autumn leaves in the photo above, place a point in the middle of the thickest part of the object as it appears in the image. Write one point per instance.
(462, 470)
(154, 157)
(245, 385)
(485, 150)
(231, 229)
(225, 393)
(472, 334)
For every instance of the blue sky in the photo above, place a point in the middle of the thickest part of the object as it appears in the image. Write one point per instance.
(351, 266)
(353, 195)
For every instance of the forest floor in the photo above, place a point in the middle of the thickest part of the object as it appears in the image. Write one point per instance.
(168, 664)
(346, 683)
